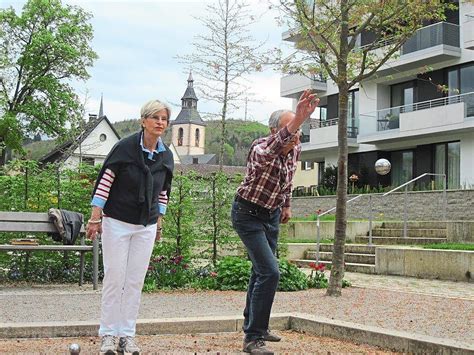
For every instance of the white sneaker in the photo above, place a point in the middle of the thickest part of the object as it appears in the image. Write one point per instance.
(127, 345)
(108, 345)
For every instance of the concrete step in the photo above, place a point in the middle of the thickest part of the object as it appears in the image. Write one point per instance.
(399, 240)
(416, 224)
(416, 233)
(351, 267)
(349, 248)
(348, 257)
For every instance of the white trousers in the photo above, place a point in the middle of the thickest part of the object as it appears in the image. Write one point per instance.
(126, 250)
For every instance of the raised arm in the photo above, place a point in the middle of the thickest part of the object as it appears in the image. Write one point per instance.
(305, 107)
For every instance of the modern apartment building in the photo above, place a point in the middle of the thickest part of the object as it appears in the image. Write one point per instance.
(403, 113)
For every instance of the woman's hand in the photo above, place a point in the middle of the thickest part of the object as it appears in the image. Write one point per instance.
(94, 225)
(93, 228)
(159, 228)
(158, 234)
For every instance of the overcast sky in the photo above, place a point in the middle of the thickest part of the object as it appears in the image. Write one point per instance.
(137, 42)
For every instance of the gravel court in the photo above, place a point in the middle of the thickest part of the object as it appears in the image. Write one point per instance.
(222, 343)
(442, 309)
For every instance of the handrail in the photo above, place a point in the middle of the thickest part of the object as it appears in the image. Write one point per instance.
(332, 209)
(318, 235)
(405, 209)
(409, 182)
(405, 218)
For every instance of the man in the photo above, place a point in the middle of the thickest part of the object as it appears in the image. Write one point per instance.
(262, 202)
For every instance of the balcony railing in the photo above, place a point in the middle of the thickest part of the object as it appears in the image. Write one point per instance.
(314, 77)
(432, 35)
(352, 131)
(389, 118)
(426, 37)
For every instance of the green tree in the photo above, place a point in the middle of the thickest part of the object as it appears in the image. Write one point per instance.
(180, 219)
(41, 51)
(219, 197)
(327, 35)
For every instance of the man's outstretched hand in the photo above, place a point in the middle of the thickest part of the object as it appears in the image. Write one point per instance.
(306, 106)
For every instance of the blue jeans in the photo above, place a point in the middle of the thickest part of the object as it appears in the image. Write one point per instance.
(258, 229)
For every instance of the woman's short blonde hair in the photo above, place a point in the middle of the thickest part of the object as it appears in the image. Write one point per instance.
(152, 107)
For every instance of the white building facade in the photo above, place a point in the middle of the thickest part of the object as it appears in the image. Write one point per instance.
(402, 114)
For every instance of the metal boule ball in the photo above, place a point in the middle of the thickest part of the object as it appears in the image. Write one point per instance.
(382, 166)
(74, 349)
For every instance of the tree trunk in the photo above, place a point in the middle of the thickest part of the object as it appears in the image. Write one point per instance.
(224, 113)
(337, 269)
(226, 86)
(3, 157)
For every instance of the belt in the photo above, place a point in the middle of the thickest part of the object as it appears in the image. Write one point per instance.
(252, 205)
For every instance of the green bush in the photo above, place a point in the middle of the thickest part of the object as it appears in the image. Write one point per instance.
(291, 278)
(167, 270)
(233, 273)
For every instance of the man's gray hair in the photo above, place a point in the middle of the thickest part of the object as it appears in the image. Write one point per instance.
(274, 121)
(152, 107)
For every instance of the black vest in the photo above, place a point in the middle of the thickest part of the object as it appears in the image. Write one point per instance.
(133, 197)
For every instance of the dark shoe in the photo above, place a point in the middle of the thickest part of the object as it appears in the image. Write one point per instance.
(256, 346)
(271, 337)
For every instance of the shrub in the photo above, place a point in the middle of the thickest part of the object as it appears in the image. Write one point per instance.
(233, 273)
(167, 270)
(291, 278)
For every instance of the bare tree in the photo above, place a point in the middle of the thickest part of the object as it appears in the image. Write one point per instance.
(327, 35)
(223, 56)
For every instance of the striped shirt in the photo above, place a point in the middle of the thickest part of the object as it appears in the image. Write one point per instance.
(103, 188)
(269, 177)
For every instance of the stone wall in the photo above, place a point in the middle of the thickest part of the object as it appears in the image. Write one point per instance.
(454, 265)
(421, 205)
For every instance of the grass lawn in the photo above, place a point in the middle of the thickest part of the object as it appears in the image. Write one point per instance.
(310, 241)
(450, 246)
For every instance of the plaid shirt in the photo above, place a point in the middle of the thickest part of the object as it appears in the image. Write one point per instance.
(269, 176)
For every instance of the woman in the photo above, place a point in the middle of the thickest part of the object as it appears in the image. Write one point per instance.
(129, 200)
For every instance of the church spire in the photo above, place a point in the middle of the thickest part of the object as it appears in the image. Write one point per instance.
(101, 108)
(190, 79)
(189, 112)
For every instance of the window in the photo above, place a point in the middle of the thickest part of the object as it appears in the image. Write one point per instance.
(320, 172)
(196, 138)
(180, 136)
(353, 113)
(461, 81)
(402, 167)
(102, 137)
(447, 160)
(306, 165)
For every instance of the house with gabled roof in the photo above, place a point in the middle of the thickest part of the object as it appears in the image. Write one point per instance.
(90, 147)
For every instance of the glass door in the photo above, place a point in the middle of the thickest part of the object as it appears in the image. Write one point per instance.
(402, 168)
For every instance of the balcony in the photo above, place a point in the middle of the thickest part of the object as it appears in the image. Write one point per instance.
(468, 30)
(429, 45)
(323, 137)
(291, 86)
(438, 116)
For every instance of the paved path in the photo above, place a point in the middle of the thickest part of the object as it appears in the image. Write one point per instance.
(439, 288)
(442, 309)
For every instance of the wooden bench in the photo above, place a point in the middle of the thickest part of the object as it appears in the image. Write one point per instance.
(33, 222)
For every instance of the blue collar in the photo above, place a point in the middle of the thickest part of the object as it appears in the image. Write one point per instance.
(160, 147)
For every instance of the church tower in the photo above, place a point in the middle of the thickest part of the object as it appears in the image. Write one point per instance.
(188, 129)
